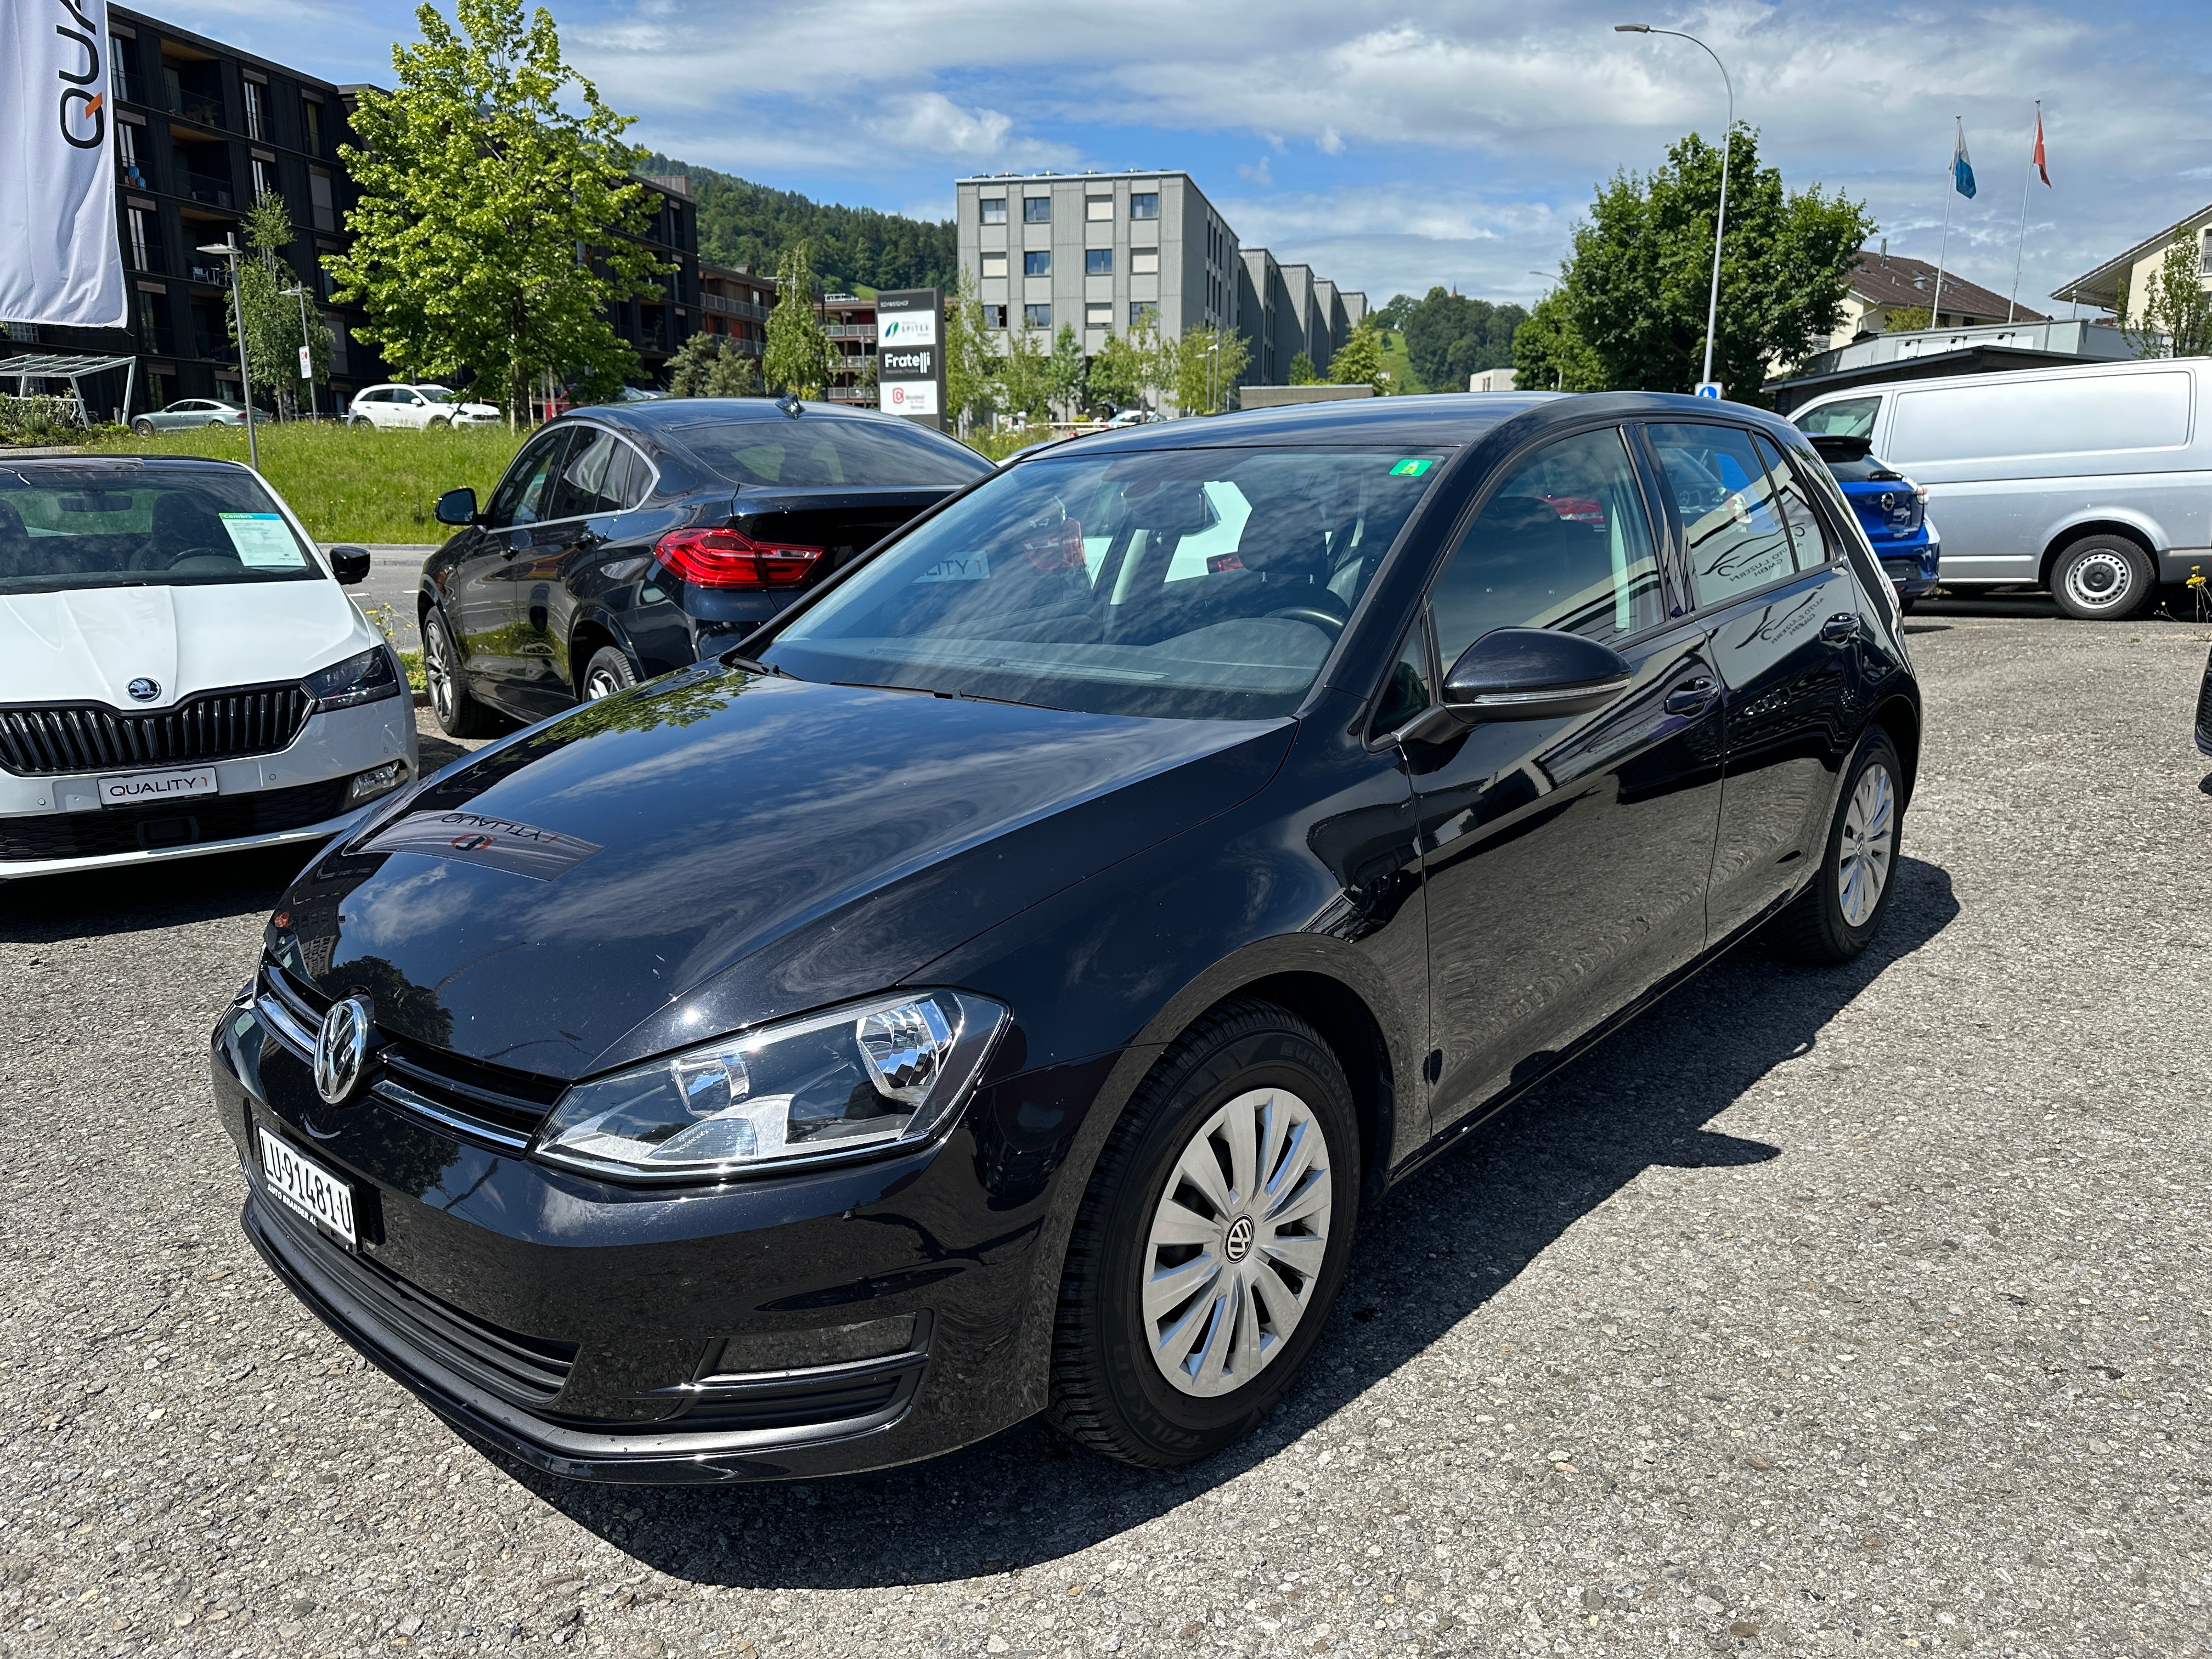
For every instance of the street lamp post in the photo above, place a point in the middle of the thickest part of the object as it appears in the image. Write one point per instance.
(229, 250)
(1727, 135)
(1212, 390)
(301, 292)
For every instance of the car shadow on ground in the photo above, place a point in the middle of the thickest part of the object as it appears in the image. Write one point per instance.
(1442, 1247)
(144, 897)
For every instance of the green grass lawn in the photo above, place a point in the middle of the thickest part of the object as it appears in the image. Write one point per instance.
(362, 485)
(1399, 366)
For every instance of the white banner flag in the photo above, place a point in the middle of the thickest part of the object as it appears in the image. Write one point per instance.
(60, 258)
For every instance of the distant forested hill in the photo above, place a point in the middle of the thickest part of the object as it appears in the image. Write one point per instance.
(742, 223)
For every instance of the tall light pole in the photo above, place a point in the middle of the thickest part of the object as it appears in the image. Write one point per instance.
(230, 249)
(301, 292)
(1727, 135)
(1212, 363)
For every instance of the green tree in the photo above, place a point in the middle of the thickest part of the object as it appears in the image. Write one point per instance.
(1115, 374)
(1393, 316)
(1067, 369)
(1451, 336)
(1207, 362)
(798, 358)
(1156, 357)
(711, 366)
(1024, 375)
(1636, 284)
(1358, 361)
(1549, 356)
(968, 360)
(1904, 319)
(735, 375)
(1301, 371)
(2177, 312)
(272, 317)
(482, 173)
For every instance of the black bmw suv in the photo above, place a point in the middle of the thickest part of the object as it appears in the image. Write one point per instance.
(1000, 985)
(632, 538)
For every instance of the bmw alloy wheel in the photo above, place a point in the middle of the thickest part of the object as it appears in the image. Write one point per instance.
(1869, 832)
(600, 683)
(437, 670)
(1237, 1242)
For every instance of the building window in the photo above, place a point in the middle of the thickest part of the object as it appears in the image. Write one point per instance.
(311, 123)
(1144, 204)
(1036, 264)
(123, 68)
(1144, 262)
(1098, 316)
(1098, 207)
(995, 210)
(318, 192)
(995, 264)
(995, 316)
(126, 153)
(1036, 209)
(265, 175)
(257, 121)
(1098, 262)
(1036, 316)
(141, 256)
(1144, 310)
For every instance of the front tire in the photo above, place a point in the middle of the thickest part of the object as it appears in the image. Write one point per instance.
(1838, 916)
(1211, 1243)
(458, 714)
(2103, 579)
(606, 673)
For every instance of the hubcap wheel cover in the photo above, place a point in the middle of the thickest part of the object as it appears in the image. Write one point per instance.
(1869, 834)
(2100, 580)
(1236, 1243)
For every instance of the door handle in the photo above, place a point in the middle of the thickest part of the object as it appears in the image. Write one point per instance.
(1843, 625)
(1691, 696)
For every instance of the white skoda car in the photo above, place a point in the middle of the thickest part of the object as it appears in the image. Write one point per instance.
(181, 670)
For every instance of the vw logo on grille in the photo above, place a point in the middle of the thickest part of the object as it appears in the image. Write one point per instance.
(1238, 1243)
(144, 690)
(340, 1047)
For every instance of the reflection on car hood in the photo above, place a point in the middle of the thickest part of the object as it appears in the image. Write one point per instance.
(89, 644)
(727, 848)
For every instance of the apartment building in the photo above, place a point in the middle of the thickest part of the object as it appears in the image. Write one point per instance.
(850, 323)
(1100, 252)
(734, 302)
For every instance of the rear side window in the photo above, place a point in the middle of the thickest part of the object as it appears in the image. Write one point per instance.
(1847, 417)
(814, 451)
(1564, 543)
(1730, 523)
(1807, 542)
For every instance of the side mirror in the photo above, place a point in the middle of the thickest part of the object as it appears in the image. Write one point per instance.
(456, 507)
(1533, 674)
(349, 564)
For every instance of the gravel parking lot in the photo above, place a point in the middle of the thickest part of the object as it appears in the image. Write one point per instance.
(1824, 1312)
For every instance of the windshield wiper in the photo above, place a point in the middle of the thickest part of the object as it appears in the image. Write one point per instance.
(928, 691)
(731, 660)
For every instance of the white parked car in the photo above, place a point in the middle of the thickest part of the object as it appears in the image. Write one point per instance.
(181, 670)
(415, 408)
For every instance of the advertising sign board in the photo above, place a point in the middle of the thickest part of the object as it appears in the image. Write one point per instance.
(910, 365)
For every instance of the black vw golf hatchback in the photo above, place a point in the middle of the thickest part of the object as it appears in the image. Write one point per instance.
(1000, 985)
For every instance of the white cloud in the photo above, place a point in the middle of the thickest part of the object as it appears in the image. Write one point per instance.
(1258, 173)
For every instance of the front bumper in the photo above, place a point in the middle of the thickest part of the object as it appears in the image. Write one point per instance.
(823, 1323)
(55, 825)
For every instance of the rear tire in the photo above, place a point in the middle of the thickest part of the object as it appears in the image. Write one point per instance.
(1251, 1106)
(458, 714)
(608, 672)
(143, 427)
(1838, 916)
(2103, 579)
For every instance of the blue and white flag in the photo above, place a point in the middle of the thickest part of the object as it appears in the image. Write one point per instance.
(1962, 169)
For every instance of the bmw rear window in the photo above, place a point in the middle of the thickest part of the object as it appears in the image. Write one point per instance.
(816, 452)
(132, 525)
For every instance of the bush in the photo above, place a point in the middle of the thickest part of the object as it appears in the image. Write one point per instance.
(36, 420)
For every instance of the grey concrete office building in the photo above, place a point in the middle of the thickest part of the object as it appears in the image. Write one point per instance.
(1098, 251)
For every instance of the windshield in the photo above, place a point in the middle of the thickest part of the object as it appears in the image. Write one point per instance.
(1186, 584)
(814, 450)
(128, 525)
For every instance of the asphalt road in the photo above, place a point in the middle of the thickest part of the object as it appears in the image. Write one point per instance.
(394, 573)
(1825, 1312)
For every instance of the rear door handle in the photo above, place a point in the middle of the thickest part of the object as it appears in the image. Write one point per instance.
(1691, 696)
(1843, 625)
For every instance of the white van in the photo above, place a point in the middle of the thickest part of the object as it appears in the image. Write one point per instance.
(2095, 483)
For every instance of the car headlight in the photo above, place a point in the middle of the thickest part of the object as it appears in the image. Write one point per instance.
(369, 677)
(858, 1080)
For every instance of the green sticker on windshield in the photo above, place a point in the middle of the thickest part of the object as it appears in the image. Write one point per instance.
(1411, 468)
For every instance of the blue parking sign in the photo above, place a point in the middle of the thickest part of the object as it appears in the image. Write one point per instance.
(1709, 388)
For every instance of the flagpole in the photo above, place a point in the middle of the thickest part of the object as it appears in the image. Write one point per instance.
(1944, 249)
(2020, 251)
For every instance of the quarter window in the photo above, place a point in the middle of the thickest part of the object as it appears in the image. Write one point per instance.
(1563, 543)
(1731, 525)
(1806, 541)
(1407, 691)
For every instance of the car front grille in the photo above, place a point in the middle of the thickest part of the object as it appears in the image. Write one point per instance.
(527, 1371)
(137, 828)
(45, 742)
(491, 1102)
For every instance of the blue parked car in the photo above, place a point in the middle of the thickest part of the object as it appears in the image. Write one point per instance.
(1892, 510)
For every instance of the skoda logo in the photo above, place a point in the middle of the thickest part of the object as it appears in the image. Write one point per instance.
(340, 1047)
(1238, 1243)
(144, 690)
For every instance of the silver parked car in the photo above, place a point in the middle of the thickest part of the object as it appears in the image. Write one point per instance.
(2095, 483)
(191, 412)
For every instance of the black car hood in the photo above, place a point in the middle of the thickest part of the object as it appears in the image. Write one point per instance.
(764, 846)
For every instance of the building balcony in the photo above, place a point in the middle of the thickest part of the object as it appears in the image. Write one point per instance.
(216, 192)
(200, 107)
(849, 330)
(213, 275)
(727, 307)
(157, 341)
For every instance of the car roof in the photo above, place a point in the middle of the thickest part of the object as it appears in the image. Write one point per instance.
(663, 412)
(119, 463)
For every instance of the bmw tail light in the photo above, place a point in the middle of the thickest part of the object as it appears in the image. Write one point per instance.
(726, 558)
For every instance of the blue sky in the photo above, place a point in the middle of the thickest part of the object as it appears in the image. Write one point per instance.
(1454, 143)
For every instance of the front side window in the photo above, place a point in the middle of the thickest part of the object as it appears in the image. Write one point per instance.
(1848, 418)
(1144, 204)
(1036, 209)
(1036, 316)
(1562, 542)
(1206, 584)
(524, 494)
(583, 488)
(995, 210)
(1036, 264)
(133, 526)
(1098, 262)
(1733, 533)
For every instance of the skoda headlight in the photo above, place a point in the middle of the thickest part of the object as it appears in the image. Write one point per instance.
(367, 677)
(856, 1080)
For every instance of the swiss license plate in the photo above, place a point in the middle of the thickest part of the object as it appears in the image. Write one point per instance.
(308, 1187)
(157, 788)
